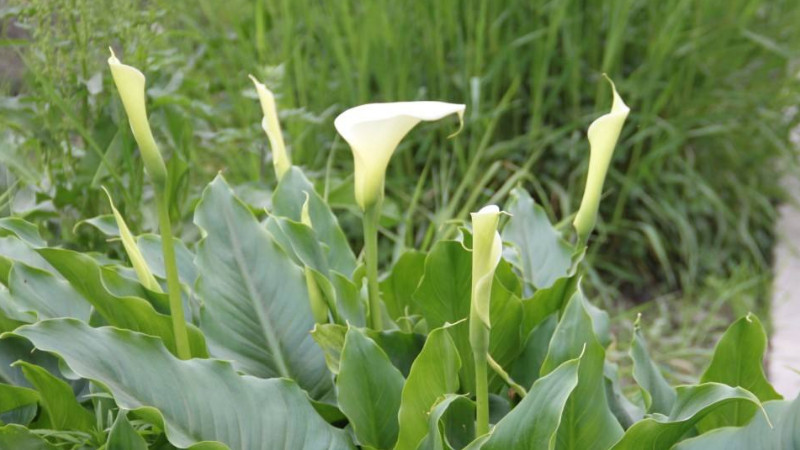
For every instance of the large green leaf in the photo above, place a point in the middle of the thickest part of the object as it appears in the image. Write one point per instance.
(527, 366)
(17, 437)
(692, 403)
(543, 255)
(194, 401)
(739, 361)
(287, 201)
(402, 348)
(782, 433)
(546, 302)
(13, 397)
(45, 294)
(451, 424)
(132, 313)
(443, 296)
(257, 311)
(60, 409)
(369, 390)
(123, 437)
(658, 395)
(433, 374)
(587, 422)
(398, 288)
(534, 422)
(150, 245)
(26, 231)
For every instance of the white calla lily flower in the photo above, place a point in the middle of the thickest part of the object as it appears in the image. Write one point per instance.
(603, 135)
(375, 130)
(272, 126)
(487, 248)
(130, 83)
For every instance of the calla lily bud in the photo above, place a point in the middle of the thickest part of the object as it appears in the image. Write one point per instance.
(487, 248)
(130, 84)
(603, 134)
(271, 126)
(375, 130)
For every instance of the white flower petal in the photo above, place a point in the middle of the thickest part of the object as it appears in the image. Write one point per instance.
(374, 131)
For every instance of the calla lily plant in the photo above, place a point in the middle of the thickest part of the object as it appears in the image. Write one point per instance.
(130, 84)
(374, 131)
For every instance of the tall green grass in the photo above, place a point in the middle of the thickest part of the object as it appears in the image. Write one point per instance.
(693, 185)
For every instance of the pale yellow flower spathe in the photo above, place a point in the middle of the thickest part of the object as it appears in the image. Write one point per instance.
(130, 84)
(272, 126)
(603, 135)
(375, 130)
(487, 248)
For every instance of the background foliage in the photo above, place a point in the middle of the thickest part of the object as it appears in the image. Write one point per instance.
(687, 222)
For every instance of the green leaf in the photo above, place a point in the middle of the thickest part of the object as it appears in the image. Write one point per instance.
(369, 390)
(534, 422)
(543, 256)
(45, 294)
(658, 395)
(527, 366)
(739, 361)
(402, 348)
(783, 433)
(194, 401)
(691, 405)
(24, 230)
(129, 312)
(287, 201)
(17, 437)
(60, 409)
(14, 249)
(626, 411)
(398, 288)
(451, 424)
(587, 422)
(257, 311)
(443, 296)
(546, 302)
(13, 397)
(150, 244)
(433, 374)
(123, 436)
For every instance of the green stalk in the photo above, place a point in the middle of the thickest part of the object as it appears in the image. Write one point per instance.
(371, 216)
(479, 341)
(173, 284)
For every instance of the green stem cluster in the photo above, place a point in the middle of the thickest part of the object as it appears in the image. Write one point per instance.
(479, 341)
(371, 217)
(173, 283)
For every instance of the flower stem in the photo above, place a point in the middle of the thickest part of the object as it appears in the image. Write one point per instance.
(371, 216)
(479, 340)
(173, 283)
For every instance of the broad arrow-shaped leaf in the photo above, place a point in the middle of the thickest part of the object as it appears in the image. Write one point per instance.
(658, 395)
(691, 404)
(369, 390)
(782, 433)
(543, 255)
(587, 422)
(533, 423)
(194, 401)
(257, 311)
(433, 374)
(124, 311)
(739, 361)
